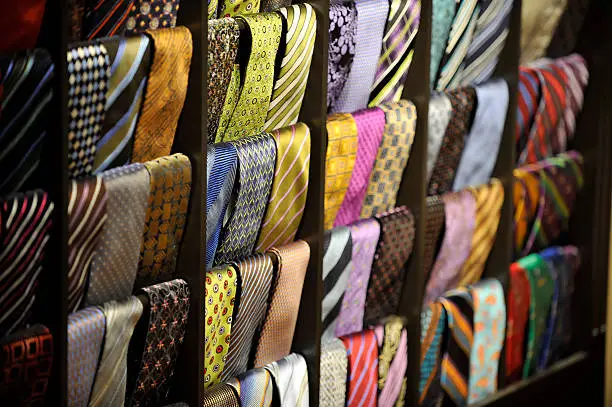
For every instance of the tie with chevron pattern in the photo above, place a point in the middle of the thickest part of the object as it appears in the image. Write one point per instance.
(433, 324)
(105, 18)
(291, 378)
(362, 353)
(341, 51)
(255, 388)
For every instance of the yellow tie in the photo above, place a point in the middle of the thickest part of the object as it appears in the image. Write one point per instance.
(526, 191)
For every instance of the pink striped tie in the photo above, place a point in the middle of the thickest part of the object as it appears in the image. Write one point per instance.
(362, 352)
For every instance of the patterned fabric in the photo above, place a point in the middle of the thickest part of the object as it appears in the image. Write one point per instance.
(518, 311)
(169, 194)
(440, 111)
(165, 93)
(21, 24)
(76, 10)
(89, 72)
(538, 23)
(392, 253)
(232, 93)
(434, 220)
(105, 18)
(342, 36)
(232, 8)
(151, 15)
(220, 396)
(213, 5)
(392, 362)
(528, 97)
(291, 379)
(433, 324)
(443, 14)
(334, 369)
(569, 28)
(362, 354)
(528, 196)
(271, 5)
(255, 388)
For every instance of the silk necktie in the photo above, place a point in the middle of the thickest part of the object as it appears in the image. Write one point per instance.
(272, 5)
(289, 188)
(255, 388)
(86, 219)
(518, 312)
(221, 164)
(443, 172)
(256, 159)
(489, 334)
(555, 264)
(110, 383)
(372, 17)
(388, 270)
(213, 6)
(528, 194)
(334, 369)
(392, 363)
(291, 379)
(89, 73)
(20, 24)
(169, 194)
(223, 37)
(232, 8)
(130, 60)
(290, 84)
(151, 15)
(105, 18)
(362, 354)
(538, 23)
(434, 220)
(220, 295)
(483, 141)
(76, 10)
(440, 111)
(232, 93)
(115, 259)
(25, 364)
(397, 51)
(342, 37)
(433, 325)
(364, 235)
(339, 163)
(85, 336)
(25, 222)
(249, 115)
(569, 28)
(391, 159)
(221, 396)
(256, 276)
(276, 334)
(337, 267)
(528, 97)
(460, 221)
(165, 93)
(164, 332)
(443, 13)
(26, 80)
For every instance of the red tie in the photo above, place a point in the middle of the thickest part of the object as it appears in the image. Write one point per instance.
(518, 312)
(362, 352)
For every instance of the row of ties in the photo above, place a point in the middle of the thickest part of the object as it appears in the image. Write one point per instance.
(464, 331)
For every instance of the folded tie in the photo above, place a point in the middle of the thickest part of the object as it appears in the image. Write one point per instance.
(433, 325)
(291, 380)
(151, 15)
(434, 220)
(440, 111)
(392, 362)
(443, 13)
(334, 369)
(222, 395)
(21, 24)
(518, 314)
(342, 37)
(255, 388)
(362, 354)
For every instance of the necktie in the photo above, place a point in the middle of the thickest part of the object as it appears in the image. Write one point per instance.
(130, 60)
(440, 111)
(76, 9)
(397, 51)
(255, 388)
(290, 84)
(362, 354)
(85, 336)
(233, 8)
(433, 322)
(528, 97)
(89, 73)
(115, 260)
(334, 369)
(26, 80)
(337, 267)
(25, 221)
(213, 6)
(342, 37)
(169, 194)
(443, 13)
(223, 37)
(289, 188)
(291, 379)
(482, 145)
(489, 201)
(164, 332)
(538, 22)
(220, 295)
(555, 263)
(110, 383)
(487, 43)
(434, 220)
(272, 5)
(151, 15)
(460, 222)
(256, 158)
(339, 163)
(20, 24)
(221, 396)
(392, 254)
(527, 195)
(459, 40)
(518, 311)
(231, 98)
(276, 334)
(364, 235)
(443, 172)
(161, 109)
(256, 275)
(372, 16)
(252, 106)
(105, 18)
(489, 334)
(391, 159)
(25, 364)
(220, 174)
(86, 219)
(392, 363)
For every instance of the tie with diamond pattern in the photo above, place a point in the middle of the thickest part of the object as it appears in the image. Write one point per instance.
(289, 188)
(169, 193)
(249, 115)
(391, 159)
(161, 108)
(151, 15)
(115, 260)
(392, 362)
(231, 95)
(21, 24)
(89, 72)
(577, 73)
(362, 354)
(434, 220)
(334, 369)
(221, 396)
(433, 322)
(290, 85)
(105, 18)
(256, 158)
(518, 313)
(291, 379)
(397, 51)
(255, 388)
(130, 60)
(392, 254)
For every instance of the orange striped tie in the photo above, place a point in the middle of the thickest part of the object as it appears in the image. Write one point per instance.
(526, 200)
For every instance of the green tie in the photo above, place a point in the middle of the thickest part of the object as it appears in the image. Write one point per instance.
(232, 8)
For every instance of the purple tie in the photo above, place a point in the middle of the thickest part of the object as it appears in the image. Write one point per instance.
(365, 235)
(460, 212)
(370, 128)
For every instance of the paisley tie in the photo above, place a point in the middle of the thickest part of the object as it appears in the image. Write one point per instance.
(342, 37)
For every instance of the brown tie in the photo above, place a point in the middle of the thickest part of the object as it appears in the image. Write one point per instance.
(433, 226)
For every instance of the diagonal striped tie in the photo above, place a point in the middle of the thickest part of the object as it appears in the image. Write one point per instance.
(291, 379)
(362, 353)
(290, 85)
(105, 18)
(222, 395)
(528, 97)
(433, 322)
(255, 388)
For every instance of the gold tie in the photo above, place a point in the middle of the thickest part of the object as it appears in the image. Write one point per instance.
(526, 195)
(339, 163)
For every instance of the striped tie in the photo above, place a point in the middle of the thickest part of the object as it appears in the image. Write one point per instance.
(362, 353)
(255, 388)
(433, 226)
(290, 84)
(397, 51)
(433, 322)
(152, 15)
(439, 115)
(291, 379)
(392, 362)
(105, 18)
(528, 97)
(334, 369)
(518, 314)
